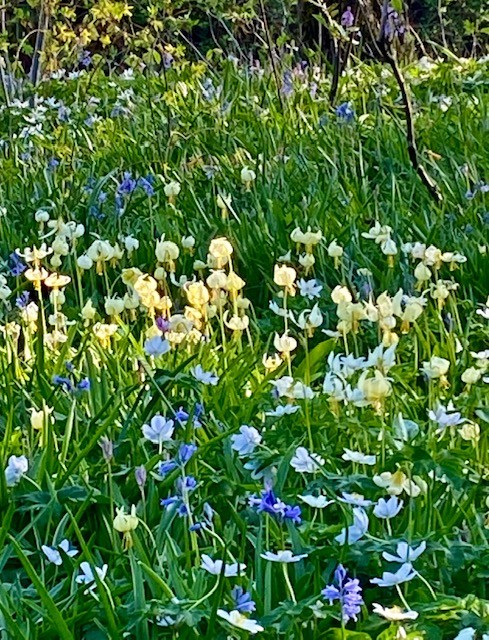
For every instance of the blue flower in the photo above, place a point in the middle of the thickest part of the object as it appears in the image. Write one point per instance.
(387, 509)
(345, 112)
(63, 382)
(242, 600)
(347, 591)
(84, 385)
(185, 452)
(156, 346)
(16, 265)
(23, 300)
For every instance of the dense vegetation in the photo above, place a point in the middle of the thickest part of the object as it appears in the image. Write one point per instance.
(245, 348)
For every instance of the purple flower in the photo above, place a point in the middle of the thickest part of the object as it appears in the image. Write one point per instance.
(85, 58)
(242, 600)
(347, 591)
(16, 265)
(347, 19)
(146, 185)
(293, 513)
(141, 475)
(162, 324)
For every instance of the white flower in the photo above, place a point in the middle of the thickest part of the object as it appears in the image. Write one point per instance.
(285, 556)
(156, 346)
(309, 288)
(159, 430)
(303, 462)
(240, 621)
(17, 466)
(436, 367)
(404, 574)
(206, 377)
(355, 499)
(357, 456)
(54, 556)
(466, 634)
(388, 508)
(394, 614)
(446, 416)
(283, 410)
(405, 553)
(357, 530)
(87, 576)
(215, 567)
(317, 502)
(246, 441)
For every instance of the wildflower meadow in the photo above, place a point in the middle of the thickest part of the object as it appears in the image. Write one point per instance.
(244, 341)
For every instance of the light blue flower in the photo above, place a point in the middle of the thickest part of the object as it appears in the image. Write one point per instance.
(206, 377)
(156, 346)
(405, 553)
(54, 556)
(159, 430)
(246, 441)
(404, 574)
(357, 530)
(17, 466)
(388, 508)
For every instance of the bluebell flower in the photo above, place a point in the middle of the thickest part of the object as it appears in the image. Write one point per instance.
(23, 300)
(146, 185)
(167, 502)
(242, 600)
(53, 163)
(198, 413)
(269, 503)
(347, 591)
(167, 467)
(293, 513)
(345, 112)
(85, 58)
(347, 18)
(181, 415)
(185, 452)
(127, 185)
(84, 385)
(17, 466)
(162, 324)
(186, 484)
(63, 382)
(16, 265)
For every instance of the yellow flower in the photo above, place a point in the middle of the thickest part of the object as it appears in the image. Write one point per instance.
(285, 277)
(221, 250)
(56, 281)
(396, 483)
(197, 294)
(125, 523)
(104, 332)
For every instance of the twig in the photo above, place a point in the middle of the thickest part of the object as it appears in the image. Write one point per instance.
(390, 57)
(271, 51)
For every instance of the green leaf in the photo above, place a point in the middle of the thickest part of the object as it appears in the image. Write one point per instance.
(55, 615)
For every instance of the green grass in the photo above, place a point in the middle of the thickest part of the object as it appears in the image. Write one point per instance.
(312, 169)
